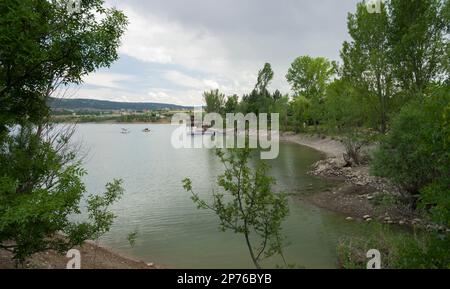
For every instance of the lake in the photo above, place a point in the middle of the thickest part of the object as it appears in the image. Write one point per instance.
(171, 230)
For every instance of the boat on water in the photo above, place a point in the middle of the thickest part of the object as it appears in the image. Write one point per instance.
(146, 130)
(125, 131)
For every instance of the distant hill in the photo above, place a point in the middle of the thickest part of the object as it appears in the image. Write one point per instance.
(91, 104)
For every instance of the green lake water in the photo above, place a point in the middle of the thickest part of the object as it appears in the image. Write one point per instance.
(171, 231)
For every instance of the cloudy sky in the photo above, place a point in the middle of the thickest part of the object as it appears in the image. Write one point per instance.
(176, 49)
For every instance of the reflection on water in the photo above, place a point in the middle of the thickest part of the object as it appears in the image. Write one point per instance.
(171, 230)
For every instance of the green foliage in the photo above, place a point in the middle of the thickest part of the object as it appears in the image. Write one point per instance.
(399, 250)
(299, 112)
(397, 67)
(232, 104)
(395, 55)
(260, 99)
(247, 204)
(354, 144)
(43, 46)
(415, 153)
(344, 109)
(426, 252)
(436, 198)
(265, 76)
(215, 101)
(366, 60)
(40, 193)
(98, 208)
(436, 195)
(132, 237)
(280, 105)
(310, 76)
(418, 36)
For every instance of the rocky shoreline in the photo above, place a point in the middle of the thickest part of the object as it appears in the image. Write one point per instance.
(361, 196)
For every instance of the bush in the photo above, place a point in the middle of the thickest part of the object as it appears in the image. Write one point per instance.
(415, 153)
(436, 199)
(354, 150)
(399, 250)
(299, 110)
(40, 194)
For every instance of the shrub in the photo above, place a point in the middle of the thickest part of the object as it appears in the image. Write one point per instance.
(399, 250)
(354, 150)
(40, 194)
(415, 153)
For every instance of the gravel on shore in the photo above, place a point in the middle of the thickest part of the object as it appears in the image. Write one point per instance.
(359, 194)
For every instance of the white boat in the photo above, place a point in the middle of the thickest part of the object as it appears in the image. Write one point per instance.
(125, 131)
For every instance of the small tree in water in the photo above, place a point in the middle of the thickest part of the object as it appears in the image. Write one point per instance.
(247, 204)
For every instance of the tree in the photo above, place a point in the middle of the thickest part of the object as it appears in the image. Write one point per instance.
(265, 76)
(344, 108)
(231, 106)
(215, 101)
(418, 34)
(248, 205)
(397, 54)
(299, 112)
(42, 45)
(281, 106)
(309, 77)
(415, 153)
(40, 193)
(367, 60)
(260, 99)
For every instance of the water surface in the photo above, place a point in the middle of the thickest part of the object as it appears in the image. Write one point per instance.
(171, 231)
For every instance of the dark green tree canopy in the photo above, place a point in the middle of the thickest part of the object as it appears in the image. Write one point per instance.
(215, 101)
(265, 76)
(231, 105)
(43, 45)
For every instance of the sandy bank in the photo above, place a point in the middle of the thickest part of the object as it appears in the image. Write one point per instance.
(327, 145)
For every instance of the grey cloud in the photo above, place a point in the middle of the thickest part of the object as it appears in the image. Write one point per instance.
(243, 33)
(289, 27)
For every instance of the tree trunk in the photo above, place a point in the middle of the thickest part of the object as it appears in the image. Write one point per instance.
(249, 245)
